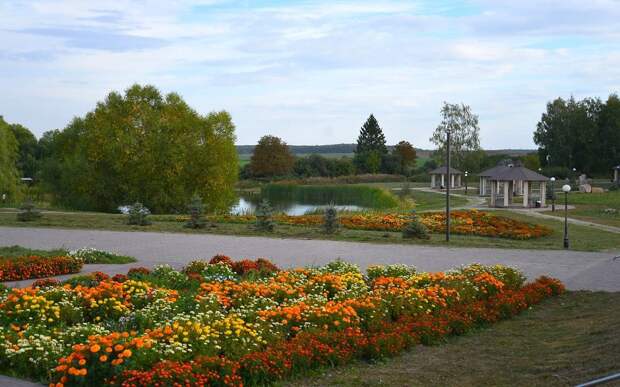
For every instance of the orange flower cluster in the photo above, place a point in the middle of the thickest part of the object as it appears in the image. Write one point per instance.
(21, 268)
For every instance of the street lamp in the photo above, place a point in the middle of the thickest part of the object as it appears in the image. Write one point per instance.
(566, 189)
(466, 173)
(552, 194)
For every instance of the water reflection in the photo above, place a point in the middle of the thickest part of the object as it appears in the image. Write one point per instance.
(247, 205)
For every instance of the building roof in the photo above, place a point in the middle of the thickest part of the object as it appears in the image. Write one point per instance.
(492, 171)
(443, 170)
(517, 173)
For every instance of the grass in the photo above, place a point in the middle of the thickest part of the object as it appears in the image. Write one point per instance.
(582, 238)
(590, 207)
(564, 341)
(102, 257)
(360, 195)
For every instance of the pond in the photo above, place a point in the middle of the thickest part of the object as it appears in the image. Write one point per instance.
(300, 200)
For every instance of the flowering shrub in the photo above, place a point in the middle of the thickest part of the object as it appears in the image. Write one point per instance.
(20, 268)
(245, 330)
(91, 255)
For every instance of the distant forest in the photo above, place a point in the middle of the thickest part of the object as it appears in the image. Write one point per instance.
(350, 148)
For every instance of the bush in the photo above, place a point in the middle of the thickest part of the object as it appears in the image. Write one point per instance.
(90, 255)
(264, 217)
(138, 273)
(330, 220)
(414, 229)
(138, 215)
(28, 212)
(21, 268)
(196, 213)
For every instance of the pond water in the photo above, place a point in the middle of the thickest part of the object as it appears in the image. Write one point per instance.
(247, 205)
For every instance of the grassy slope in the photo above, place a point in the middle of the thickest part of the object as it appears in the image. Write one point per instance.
(18, 251)
(564, 341)
(590, 207)
(582, 238)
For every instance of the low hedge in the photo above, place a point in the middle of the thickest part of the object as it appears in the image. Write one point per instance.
(33, 266)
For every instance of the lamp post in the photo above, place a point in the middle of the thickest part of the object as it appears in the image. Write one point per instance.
(466, 173)
(552, 194)
(566, 189)
(448, 186)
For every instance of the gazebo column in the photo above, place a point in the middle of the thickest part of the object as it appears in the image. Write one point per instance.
(616, 177)
(525, 194)
(543, 193)
(452, 181)
(492, 201)
(442, 180)
(481, 187)
(506, 194)
(432, 181)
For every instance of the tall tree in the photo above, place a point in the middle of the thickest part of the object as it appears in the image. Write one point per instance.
(271, 158)
(462, 124)
(406, 156)
(371, 146)
(9, 179)
(142, 146)
(28, 150)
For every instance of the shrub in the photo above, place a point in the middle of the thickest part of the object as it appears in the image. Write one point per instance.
(414, 229)
(221, 258)
(91, 255)
(264, 217)
(138, 273)
(196, 213)
(330, 220)
(21, 268)
(28, 212)
(138, 215)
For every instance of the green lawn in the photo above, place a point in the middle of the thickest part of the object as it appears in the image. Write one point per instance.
(18, 251)
(564, 341)
(582, 237)
(590, 207)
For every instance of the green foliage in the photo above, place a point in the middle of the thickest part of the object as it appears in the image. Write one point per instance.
(580, 134)
(138, 215)
(330, 220)
(271, 158)
(9, 175)
(28, 150)
(142, 146)
(264, 216)
(360, 195)
(196, 213)
(414, 229)
(91, 255)
(397, 270)
(317, 165)
(28, 212)
(462, 124)
(370, 147)
(405, 190)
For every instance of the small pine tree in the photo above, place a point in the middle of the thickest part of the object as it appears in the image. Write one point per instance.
(138, 215)
(264, 216)
(414, 229)
(405, 190)
(330, 220)
(196, 213)
(28, 212)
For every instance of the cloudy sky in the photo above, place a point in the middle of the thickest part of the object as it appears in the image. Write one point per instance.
(311, 71)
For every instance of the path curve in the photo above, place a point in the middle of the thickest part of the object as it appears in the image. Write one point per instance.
(578, 270)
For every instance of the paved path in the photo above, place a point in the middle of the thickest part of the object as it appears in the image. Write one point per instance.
(578, 270)
(579, 222)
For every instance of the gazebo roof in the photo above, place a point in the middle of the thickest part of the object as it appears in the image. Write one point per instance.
(443, 170)
(517, 173)
(492, 171)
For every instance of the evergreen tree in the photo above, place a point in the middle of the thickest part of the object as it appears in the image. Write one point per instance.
(264, 216)
(371, 146)
(196, 213)
(330, 220)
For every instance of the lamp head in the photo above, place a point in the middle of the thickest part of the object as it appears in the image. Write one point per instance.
(552, 179)
(566, 188)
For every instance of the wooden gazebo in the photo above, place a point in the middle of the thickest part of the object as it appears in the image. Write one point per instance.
(617, 174)
(439, 177)
(503, 186)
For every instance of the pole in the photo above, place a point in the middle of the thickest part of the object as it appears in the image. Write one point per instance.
(566, 220)
(448, 186)
(552, 195)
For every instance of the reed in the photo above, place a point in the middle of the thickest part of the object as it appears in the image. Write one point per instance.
(359, 195)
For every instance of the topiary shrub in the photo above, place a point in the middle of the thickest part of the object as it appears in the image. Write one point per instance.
(196, 213)
(138, 215)
(264, 217)
(414, 229)
(28, 212)
(330, 220)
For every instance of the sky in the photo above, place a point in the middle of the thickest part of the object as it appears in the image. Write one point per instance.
(312, 71)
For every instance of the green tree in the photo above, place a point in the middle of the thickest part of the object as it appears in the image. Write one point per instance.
(142, 146)
(28, 150)
(462, 124)
(371, 147)
(9, 175)
(406, 156)
(271, 158)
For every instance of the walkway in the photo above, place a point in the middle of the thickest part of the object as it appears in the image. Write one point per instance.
(578, 270)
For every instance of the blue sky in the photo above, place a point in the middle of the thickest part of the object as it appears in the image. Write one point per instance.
(312, 71)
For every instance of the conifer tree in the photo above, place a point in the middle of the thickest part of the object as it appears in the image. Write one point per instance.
(371, 146)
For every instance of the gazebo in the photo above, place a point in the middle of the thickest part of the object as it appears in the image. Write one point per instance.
(485, 185)
(617, 174)
(439, 177)
(503, 186)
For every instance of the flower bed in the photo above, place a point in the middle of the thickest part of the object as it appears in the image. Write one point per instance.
(472, 222)
(212, 325)
(21, 268)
